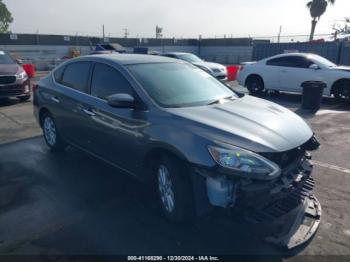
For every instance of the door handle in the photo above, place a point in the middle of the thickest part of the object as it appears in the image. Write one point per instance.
(284, 71)
(89, 112)
(55, 99)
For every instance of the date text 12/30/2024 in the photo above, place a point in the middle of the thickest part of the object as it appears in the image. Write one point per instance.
(173, 258)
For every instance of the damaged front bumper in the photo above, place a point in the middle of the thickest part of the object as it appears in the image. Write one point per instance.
(283, 211)
(298, 226)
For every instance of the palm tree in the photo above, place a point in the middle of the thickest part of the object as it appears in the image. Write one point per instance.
(317, 9)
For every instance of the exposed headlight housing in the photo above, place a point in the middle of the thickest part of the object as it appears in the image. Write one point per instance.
(245, 163)
(21, 76)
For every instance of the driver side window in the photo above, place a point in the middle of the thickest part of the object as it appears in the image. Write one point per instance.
(107, 81)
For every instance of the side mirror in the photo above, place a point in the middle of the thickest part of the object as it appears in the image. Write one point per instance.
(121, 101)
(19, 61)
(314, 67)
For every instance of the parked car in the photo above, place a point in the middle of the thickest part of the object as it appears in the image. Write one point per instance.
(217, 70)
(14, 81)
(203, 146)
(287, 72)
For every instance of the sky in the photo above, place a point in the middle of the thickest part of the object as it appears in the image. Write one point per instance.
(178, 18)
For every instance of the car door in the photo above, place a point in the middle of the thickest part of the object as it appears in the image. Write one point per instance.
(270, 73)
(114, 133)
(294, 71)
(72, 99)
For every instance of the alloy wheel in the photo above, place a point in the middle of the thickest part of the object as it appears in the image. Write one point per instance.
(166, 188)
(49, 131)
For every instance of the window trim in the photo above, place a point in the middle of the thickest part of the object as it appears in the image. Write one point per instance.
(64, 70)
(140, 104)
(295, 56)
(56, 69)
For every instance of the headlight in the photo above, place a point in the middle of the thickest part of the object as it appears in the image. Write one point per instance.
(205, 69)
(245, 163)
(22, 75)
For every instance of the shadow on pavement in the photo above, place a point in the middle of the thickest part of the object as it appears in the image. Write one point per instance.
(11, 102)
(113, 213)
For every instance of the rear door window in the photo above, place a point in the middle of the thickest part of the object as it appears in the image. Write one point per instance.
(76, 76)
(108, 81)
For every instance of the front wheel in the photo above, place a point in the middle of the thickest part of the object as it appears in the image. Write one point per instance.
(255, 86)
(51, 135)
(174, 190)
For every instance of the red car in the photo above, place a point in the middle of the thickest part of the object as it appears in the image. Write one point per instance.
(14, 81)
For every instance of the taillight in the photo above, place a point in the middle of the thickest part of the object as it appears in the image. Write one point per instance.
(241, 68)
(35, 87)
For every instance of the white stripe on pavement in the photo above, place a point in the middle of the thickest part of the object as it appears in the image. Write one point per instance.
(329, 166)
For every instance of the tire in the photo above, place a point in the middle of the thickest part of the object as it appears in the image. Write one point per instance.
(24, 98)
(51, 134)
(341, 90)
(255, 86)
(175, 191)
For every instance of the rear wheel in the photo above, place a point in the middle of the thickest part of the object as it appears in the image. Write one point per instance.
(341, 90)
(255, 85)
(51, 134)
(174, 189)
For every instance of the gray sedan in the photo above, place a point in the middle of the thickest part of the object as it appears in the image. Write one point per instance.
(202, 145)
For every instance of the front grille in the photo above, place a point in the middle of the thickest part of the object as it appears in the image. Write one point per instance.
(11, 90)
(285, 205)
(290, 190)
(7, 80)
(284, 159)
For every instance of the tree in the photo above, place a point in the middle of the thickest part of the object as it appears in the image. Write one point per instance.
(341, 29)
(5, 18)
(317, 9)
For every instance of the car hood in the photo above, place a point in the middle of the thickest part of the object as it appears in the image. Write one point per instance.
(209, 65)
(248, 122)
(9, 69)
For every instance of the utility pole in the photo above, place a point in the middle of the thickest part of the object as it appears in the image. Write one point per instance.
(279, 35)
(159, 32)
(126, 32)
(103, 32)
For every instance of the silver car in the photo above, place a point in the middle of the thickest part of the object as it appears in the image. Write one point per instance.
(203, 146)
(217, 70)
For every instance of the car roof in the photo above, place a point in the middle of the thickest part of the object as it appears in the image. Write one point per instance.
(128, 59)
(177, 53)
(290, 54)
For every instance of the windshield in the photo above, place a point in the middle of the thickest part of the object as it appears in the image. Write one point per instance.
(179, 85)
(189, 58)
(5, 59)
(323, 61)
